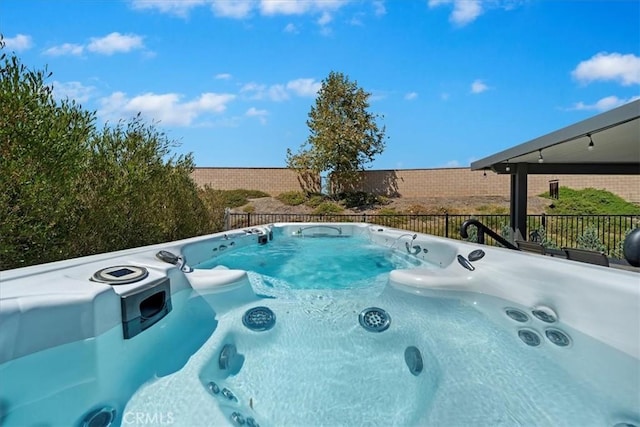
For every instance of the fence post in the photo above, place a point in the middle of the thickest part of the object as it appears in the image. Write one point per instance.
(226, 218)
(364, 217)
(248, 219)
(446, 224)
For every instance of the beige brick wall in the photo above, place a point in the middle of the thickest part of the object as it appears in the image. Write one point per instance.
(442, 182)
(272, 181)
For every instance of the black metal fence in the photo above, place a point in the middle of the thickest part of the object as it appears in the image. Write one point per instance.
(554, 231)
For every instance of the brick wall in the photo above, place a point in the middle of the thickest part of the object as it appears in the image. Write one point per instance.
(417, 182)
(270, 180)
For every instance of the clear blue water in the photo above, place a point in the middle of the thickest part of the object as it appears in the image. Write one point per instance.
(316, 263)
(318, 367)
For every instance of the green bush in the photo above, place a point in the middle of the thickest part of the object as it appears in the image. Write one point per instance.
(356, 199)
(240, 197)
(292, 198)
(589, 240)
(215, 204)
(328, 208)
(69, 189)
(315, 200)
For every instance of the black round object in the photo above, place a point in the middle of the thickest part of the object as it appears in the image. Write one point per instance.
(529, 337)
(475, 255)
(517, 315)
(631, 248)
(259, 319)
(413, 359)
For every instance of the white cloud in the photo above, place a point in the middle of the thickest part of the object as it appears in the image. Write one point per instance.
(115, 42)
(624, 69)
(260, 114)
(378, 8)
(356, 21)
(281, 92)
(445, 96)
(478, 86)
(464, 11)
(304, 87)
(241, 9)
(253, 111)
(65, 49)
(167, 108)
(223, 76)
(173, 7)
(277, 93)
(291, 28)
(324, 19)
(452, 164)
(107, 45)
(19, 43)
(299, 7)
(410, 96)
(604, 104)
(72, 90)
(237, 9)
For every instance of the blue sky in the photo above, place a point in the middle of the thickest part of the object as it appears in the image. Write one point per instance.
(232, 81)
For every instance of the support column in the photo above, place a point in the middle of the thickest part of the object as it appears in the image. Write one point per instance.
(518, 202)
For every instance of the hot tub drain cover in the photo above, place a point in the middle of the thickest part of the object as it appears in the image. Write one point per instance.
(374, 319)
(259, 319)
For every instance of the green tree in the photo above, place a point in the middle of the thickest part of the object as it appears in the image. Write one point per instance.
(42, 155)
(135, 192)
(69, 190)
(344, 136)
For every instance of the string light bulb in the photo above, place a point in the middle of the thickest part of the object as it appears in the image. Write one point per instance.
(540, 158)
(591, 145)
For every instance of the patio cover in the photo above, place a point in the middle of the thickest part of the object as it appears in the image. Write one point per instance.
(616, 151)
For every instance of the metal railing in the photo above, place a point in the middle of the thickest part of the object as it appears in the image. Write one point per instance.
(554, 231)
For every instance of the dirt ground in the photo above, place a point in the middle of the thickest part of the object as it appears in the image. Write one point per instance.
(417, 205)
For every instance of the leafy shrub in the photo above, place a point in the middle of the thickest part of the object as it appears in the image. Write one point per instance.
(589, 240)
(315, 200)
(356, 199)
(240, 197)
(328, 208)
(215, 204)
(292, 198)
(69, 189)
(539, 235)
(472, 234)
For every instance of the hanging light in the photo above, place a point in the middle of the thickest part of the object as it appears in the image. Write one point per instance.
(484, 173)
(591, 145)
(540, 159)
(508, 167)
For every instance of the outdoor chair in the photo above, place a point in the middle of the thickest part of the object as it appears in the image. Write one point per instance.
(583, 255)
